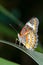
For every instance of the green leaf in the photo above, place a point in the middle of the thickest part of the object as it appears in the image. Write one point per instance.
(6, 62)
(36, 56)
(11, 16)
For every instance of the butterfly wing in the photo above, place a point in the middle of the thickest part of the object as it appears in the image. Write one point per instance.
(28, 35)
(34, 23)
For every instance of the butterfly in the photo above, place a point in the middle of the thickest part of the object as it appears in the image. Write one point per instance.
(28, 35)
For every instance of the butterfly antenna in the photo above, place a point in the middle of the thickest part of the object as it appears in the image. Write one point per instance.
(13, 28)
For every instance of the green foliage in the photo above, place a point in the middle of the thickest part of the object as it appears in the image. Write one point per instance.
(6, 62)
(36, 56)
(10, 15)
(7, 31)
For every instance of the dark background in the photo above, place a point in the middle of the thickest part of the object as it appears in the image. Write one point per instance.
(25, 10)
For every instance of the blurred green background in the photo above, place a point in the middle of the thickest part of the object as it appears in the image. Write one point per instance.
(13, 15)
